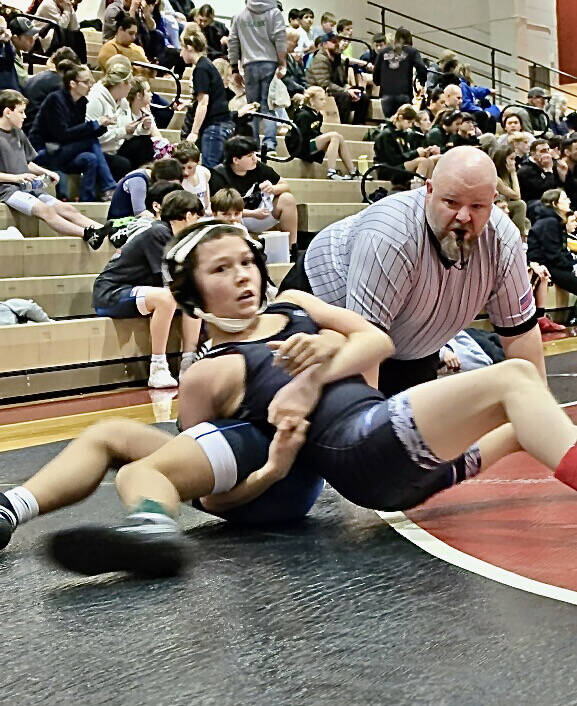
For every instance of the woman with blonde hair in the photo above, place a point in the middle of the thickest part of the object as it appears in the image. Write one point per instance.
(314, 145)
(556, 109)
(108, 98)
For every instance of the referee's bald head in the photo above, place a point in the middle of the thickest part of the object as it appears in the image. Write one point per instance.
(468, 164)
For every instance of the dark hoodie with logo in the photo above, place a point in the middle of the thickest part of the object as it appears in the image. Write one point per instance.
(547, 240)
(258, 33)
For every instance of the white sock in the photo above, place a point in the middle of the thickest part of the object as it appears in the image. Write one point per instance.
(23, 502)
(159, 360)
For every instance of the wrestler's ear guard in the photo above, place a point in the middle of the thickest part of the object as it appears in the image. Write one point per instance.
(177, 268)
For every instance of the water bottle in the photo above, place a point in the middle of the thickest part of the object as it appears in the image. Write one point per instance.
(363, 163)
(34, 185)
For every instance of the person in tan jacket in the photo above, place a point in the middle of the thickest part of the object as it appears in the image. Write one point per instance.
(123, 43)
(327, 71)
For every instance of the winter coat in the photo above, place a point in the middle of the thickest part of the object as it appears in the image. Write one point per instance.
(547, 241)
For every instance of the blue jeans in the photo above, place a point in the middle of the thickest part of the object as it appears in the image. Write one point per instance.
(83, 157)
(212, 142)
(257, 78)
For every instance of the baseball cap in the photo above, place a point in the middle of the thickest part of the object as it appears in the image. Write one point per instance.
(21, 26)
(537, 92)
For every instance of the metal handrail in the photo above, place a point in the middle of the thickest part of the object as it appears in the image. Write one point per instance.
(264, 156)
(355, 39)
(549, 68)
(162, 70)
(440, 29)
(381, 165)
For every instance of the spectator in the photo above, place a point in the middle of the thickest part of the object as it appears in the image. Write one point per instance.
(43, 83)
(122, 43)
(67, 142)
(294, 78)
(8, 75)
(328, 24)
(327, 71)
(393, 146)
(452, 96)
(434, 69)
(379, 43)
(139, 98)
(293, 18)
(508, 186)
(345, 29)
(22, 181)
(436, 103)
(475, 100)
(556, 110)
(539, 174)
(215, 33)
(129, 197)
(467, 132)
(443, 134)
(194, 177)
(108, 98)
(521, 142)
(393, 72)
(547, 242)
(141, 13)
(63, 12)
(23, 38)
(131, 284)
(258, 35)
(227, 205)
(449, 74)
(421, 126)
(571, 120)
(536, 98)
(267, 197)
(569, 156)
(314, 146)
(212, 124)
(511, 124)
(306, 41)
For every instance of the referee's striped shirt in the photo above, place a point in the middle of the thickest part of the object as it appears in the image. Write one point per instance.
(383, 264)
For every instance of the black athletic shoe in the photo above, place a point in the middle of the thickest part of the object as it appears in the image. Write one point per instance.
(139, 547)
(95, 236)
(7, 526)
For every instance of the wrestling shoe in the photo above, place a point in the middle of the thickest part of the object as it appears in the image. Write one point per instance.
(160, 377)
(7, 526)
(334, 175)
(141, 547)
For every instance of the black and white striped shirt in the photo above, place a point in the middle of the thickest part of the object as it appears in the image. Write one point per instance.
(383, 264)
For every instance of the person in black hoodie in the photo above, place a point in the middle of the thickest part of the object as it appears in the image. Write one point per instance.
(393, 72)
(215, 32)
(547, 242)
(443, 134)
(314, 145)
(539, 174)
(67, 142)
(394, 147)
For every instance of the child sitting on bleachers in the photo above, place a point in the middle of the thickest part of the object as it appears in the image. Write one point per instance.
(227, 205)
(130, 194)
(195, 178)
(314, 145)
(131, 284)
(22, 182)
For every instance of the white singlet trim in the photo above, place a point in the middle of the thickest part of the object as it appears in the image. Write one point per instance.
(426, 541)
(219, 453)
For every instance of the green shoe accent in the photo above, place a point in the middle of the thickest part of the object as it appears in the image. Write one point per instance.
(152, 506)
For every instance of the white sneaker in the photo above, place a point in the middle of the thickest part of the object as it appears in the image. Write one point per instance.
(160, 377)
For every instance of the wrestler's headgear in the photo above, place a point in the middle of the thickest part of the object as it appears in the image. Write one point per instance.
(179, 275)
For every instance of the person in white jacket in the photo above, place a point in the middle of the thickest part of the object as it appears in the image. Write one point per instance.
(108, 97)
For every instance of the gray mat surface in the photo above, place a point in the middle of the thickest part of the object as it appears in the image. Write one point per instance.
(337, 610)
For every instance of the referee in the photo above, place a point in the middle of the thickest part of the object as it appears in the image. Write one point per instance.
(422, 264)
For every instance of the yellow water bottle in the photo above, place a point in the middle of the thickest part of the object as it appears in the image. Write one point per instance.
(363, 163)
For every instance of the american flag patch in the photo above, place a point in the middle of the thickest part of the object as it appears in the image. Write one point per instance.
(526, 300)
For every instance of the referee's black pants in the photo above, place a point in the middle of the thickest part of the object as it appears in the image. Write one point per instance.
(394, 375)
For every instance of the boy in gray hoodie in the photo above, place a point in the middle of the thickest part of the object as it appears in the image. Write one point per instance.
(258, 36)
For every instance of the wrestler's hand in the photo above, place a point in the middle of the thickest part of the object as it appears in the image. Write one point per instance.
(302, 350)
(289, 437)
(296, 400)
(451, 361)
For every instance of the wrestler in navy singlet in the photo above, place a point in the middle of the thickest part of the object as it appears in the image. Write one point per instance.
(351, 441)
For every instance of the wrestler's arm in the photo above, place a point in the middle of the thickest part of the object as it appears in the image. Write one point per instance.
(365, 347)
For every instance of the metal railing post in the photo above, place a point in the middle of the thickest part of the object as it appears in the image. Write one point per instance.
(383, 23)
(493, 72)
